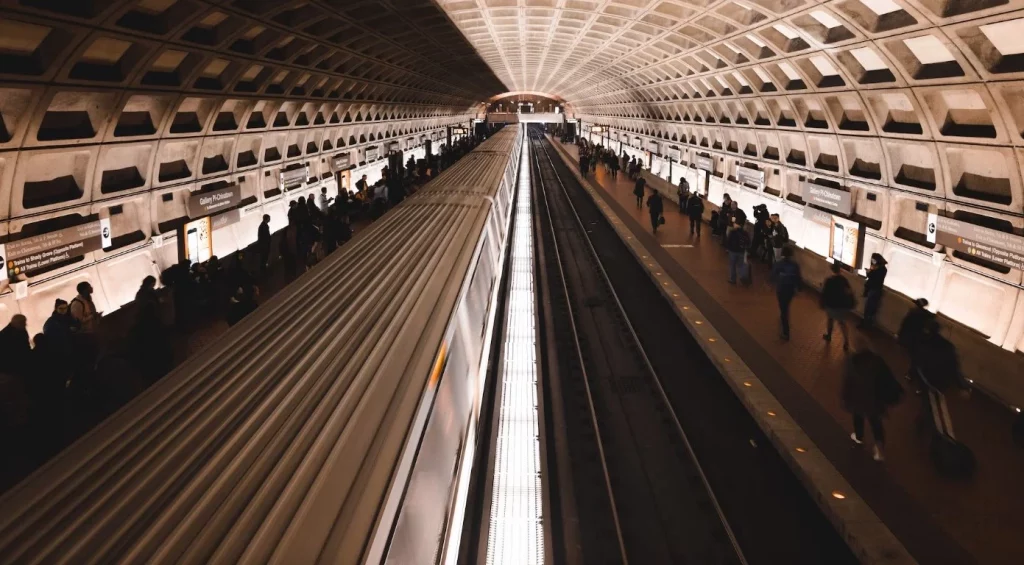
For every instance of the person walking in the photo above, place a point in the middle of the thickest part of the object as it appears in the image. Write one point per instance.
(323, 201)
(779, 237)
(868, 391)
(683, 193)
(656, 207)
(584, 165)
(786, 274)
(912, 331)
(638, 191)
(873, 289)
(14, 346)
(263, 243)
(837, 300)
(737, 244)
(695, 210)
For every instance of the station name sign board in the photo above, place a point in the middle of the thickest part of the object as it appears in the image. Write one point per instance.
(749, 176)
(839, 201)
(371, 153)
(705, 163)
(36, 253)
(342, 161)
(998, 247)
(208, 203)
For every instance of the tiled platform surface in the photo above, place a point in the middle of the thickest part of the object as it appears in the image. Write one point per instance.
(934, 519)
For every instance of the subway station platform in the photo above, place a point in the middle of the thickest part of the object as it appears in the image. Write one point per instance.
(935, 519)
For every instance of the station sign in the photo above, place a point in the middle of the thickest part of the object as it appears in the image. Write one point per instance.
(675, 154)
(749, 176)
(996, 246)
(36, 253)
(294, 177)
(839, 201)
(226, 219)
(213, 202)
(705, 163)
(372, 153)
(341, 161)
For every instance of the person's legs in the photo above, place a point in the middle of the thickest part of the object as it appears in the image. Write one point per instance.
(693, 226)
(871, 304)
(858, 428)
(878, 433)
(734, 263)
(654, 223)
(828, 325)
(697, 222)
(777, 252)
(785, 299)
(842, 328)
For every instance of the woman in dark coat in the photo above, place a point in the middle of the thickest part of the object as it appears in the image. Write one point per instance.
(657, 207)
(869, 389)
(638, 191)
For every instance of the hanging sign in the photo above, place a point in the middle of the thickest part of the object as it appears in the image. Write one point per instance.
(341, 161)
(208, 203)
(751, 177)
(33, 254)
(371, 153)
(839, 201)
(705, 163)
(996, 246)
(294, 177)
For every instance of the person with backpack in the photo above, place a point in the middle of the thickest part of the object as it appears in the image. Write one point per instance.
(683, 193)
(695, 210)
(656, 207)
(868, 390)
(737, 243)
(837, 300)
(938, 367)
(638, 191)
(786, 274)
(83, 309)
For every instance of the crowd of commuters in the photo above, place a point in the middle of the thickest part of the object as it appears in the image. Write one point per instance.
(868, 389)
(69, 369)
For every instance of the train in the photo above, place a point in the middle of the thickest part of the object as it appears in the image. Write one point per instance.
(336, 424)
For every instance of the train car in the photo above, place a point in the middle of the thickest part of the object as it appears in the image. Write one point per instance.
(336, 424)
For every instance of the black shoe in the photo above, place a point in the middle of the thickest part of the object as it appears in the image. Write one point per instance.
(784, 337)
(827, 337)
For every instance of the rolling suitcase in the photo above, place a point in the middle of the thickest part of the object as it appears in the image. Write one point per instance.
(951, 458)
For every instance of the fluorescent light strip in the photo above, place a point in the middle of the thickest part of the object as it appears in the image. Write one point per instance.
(516, 533)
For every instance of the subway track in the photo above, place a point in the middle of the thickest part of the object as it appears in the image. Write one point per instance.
(656, 460)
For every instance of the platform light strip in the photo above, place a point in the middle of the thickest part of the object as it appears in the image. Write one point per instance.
(516, 531)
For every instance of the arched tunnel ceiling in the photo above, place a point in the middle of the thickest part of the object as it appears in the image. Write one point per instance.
(595, 52)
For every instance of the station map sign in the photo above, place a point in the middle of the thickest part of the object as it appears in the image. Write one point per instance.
(998, 247)
(36, 253)
(208, 203)
(839, 201)
(750, 176)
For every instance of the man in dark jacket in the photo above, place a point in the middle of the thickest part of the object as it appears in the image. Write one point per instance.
(656, 207)
(737, 243)
(638, 191)
(695, 210)
(14, 346)
(263, 243)
(779, 236)
(683, 193)
(869, 389)
(837, 300)
(786, 274)
(873, 288)
(584, 165)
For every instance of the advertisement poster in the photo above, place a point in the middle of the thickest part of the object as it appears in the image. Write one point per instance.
(198, 240)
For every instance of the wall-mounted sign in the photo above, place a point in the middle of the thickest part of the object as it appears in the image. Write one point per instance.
(392, 146)
(652, 146)
(845, 236)
(705, 163)
(752, 177)
(839, 201)
(294, 177)
(198, 240)
(226, 219)
(341, 161)
(371, 153)
(999, 247)
(215, 201)
(33, 254)
(675, 154)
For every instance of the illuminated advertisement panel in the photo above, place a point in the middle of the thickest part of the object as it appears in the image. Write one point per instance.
(198, 240)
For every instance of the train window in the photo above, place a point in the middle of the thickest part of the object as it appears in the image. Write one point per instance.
(479, 294)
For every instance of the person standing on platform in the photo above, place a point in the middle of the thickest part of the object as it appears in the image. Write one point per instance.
(873, 289)
(683, 193)
(613, 164)
(787, 277)
(737, 243)
(779, 237)
(695, 210)
(14, 347)
(868, 391)
(837, 300)
(323, 201)
(657, 206)
(263, 244)
(584, 165)
(638, 191)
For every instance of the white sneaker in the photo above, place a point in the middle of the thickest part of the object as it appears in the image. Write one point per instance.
(853, 436)
(877, 455)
